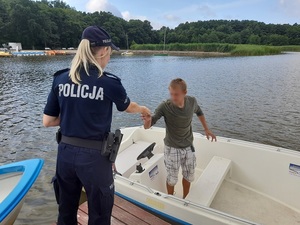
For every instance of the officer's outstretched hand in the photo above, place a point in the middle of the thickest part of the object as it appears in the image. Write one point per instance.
(146, 117)
(136, 108)
(145, 110)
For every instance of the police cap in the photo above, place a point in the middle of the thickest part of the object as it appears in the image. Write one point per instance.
(98, 37)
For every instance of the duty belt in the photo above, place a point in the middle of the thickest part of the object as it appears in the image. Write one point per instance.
(83, 143)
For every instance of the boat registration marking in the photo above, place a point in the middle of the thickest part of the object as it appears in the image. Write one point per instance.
(154, 172)
(154, 203)
(294, 169)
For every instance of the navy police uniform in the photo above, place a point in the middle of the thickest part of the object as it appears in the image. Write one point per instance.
(85, 112)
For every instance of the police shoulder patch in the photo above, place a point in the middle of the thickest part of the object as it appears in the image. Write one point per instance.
(61, 72)
(110, 75)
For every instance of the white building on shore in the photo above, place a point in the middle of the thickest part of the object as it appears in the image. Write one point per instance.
(15, 46)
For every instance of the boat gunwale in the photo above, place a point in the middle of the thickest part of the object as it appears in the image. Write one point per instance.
(225, 140)
(31, 169)
(4, 176)
(183, 201)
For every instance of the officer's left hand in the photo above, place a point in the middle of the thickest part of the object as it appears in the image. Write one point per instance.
(114, 167)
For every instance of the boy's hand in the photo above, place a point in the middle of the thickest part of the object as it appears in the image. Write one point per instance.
(209, 135)
(146, 117)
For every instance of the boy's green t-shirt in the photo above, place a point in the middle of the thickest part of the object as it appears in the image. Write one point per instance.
(178, 121)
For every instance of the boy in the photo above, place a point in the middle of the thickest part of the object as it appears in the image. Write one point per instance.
(179, 151)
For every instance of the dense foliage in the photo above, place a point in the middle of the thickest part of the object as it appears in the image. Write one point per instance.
(232, 49)
(54, 24)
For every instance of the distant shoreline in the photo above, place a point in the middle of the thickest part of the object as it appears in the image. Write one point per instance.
(170, 53)
(216, 49)
(154, 52)
(195, 50)
(175, 53)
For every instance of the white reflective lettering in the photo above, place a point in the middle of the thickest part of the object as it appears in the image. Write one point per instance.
(81, 91)
(84, 89)
(93, 94)
(73, 95)
(78, 91)
(67, 90)
(60, 89)
(100, 94)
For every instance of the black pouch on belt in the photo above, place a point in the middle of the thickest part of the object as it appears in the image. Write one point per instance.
(193, 148)
(58, 136)
(56, 188)
(111, 145)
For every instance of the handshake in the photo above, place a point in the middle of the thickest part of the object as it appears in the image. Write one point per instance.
(146, 117)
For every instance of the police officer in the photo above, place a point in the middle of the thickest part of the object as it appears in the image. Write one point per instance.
(80, 102)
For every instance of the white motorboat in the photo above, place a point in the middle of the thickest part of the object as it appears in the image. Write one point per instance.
(15, 181)
(237, 182)
(127, 53)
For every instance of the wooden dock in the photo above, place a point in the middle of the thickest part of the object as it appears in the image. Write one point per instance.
(124, 213)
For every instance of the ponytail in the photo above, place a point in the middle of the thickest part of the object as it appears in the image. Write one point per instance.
(85, 56)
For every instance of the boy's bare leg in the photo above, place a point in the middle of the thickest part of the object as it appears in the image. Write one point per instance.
(186, 187)
(170, 189)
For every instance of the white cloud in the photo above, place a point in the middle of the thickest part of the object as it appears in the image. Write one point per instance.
(290, 7)
(206, 10)
(157, 25)
(102, 5)
(172, 17)
(128, 16)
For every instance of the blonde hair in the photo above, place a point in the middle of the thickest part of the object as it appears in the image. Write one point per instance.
(178, 82)
(85, 56)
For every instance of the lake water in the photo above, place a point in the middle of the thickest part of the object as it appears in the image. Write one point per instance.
(249, 98)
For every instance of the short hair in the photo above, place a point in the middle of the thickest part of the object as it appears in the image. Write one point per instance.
(178, 82)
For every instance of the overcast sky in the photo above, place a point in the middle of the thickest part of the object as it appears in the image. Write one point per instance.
(172, 12)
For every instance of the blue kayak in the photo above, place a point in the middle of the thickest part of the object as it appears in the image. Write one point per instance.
(15, 181)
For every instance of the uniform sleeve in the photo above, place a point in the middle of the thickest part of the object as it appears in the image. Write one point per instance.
(197, 109)
(159, 112)
(119, 97)
(52, 107)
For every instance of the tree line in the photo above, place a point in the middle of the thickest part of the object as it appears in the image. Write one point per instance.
(54, 24)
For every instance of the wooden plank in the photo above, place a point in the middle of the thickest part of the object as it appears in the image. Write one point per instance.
(126, 217)
(118, 216)
(115, 221)
(124, 213)
(137, 211)
(82, 217)
(84, 207)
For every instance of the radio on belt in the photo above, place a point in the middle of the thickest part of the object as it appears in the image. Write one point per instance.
(112, 144)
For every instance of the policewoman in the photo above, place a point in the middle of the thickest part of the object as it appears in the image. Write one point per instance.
(80, 102)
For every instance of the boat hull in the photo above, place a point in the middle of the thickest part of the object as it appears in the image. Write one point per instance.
(127, 53)
(12, 216)
(16, 180)
(5, 54)
(264, 171)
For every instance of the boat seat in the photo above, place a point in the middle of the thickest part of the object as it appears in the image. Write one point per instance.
(206, 187)
(126, 160)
